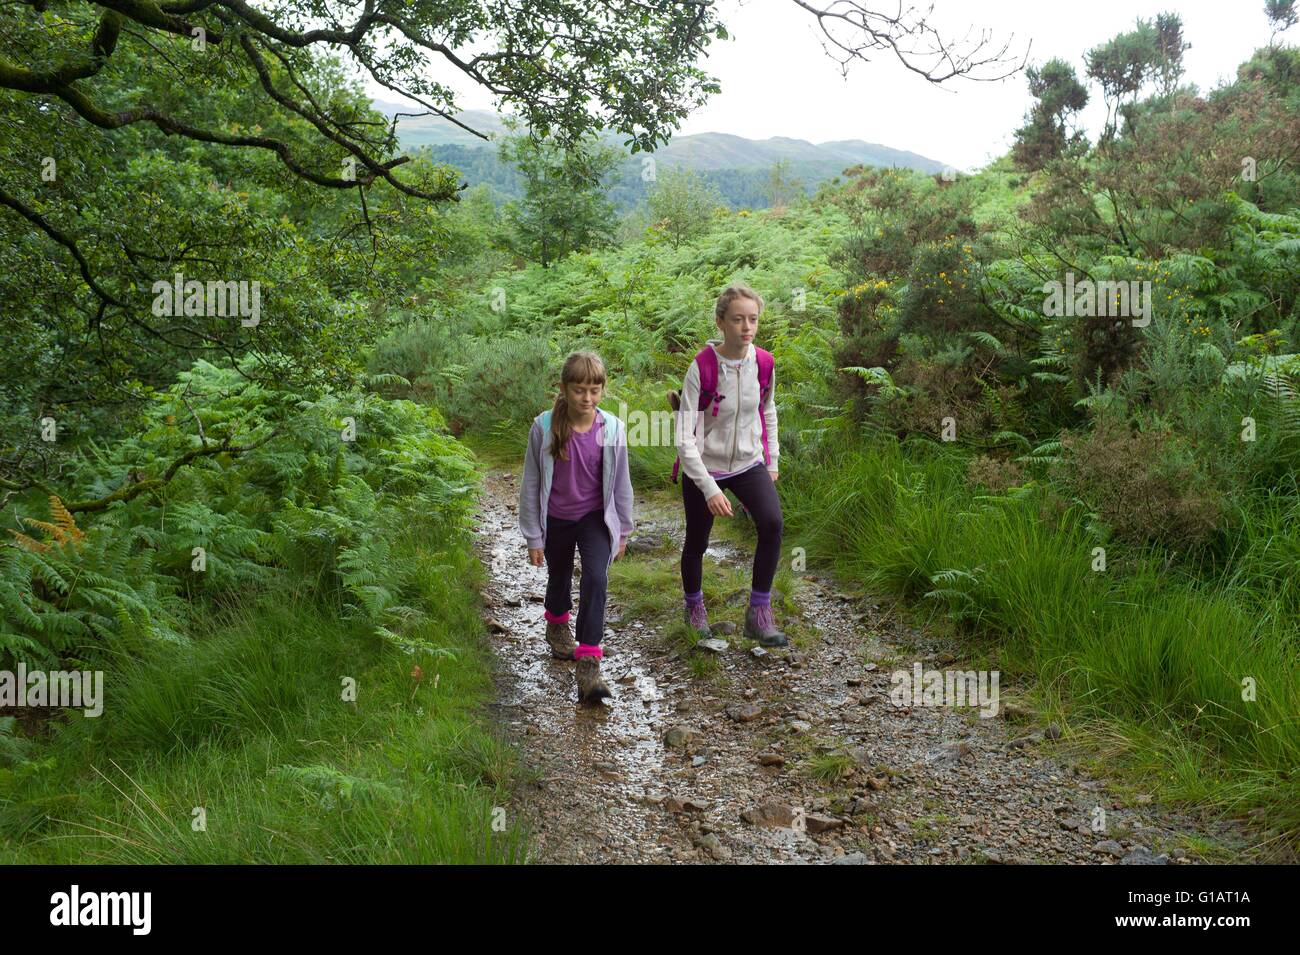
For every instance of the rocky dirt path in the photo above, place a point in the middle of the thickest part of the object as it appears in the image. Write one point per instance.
(788, 756)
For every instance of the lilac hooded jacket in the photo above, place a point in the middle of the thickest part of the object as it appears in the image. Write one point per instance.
(539, 469)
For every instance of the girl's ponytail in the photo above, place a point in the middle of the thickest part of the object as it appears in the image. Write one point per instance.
(561, 428)
(580, 368)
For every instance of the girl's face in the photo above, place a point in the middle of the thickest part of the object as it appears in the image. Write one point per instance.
(740, 324)
(582, 397)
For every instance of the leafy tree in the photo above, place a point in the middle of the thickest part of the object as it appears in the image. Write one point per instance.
(1046, 134)
(682, 204)
(564, 208)
(1170, 47)
(782, 188)
(1281, 15)
(100, 100)
(1124, 64)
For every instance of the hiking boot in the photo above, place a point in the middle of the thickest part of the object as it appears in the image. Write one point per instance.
(760, 626)
(698, 619)
(591, 688)
(560, 638)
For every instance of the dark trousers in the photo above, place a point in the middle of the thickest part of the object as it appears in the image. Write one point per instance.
(756, 491)
(592, 537)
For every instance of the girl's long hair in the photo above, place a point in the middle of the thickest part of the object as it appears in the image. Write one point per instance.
(580, 368)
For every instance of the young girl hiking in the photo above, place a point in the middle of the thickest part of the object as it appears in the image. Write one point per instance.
(577, 490)
(726, 439)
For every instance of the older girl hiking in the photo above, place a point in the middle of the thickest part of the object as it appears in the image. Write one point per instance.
(577, 491)
(726, 439)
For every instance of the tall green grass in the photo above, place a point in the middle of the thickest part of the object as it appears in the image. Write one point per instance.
(249, 724)
(1153, 664)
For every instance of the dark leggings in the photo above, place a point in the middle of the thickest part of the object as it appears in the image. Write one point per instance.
(756, 491)
(592, 537)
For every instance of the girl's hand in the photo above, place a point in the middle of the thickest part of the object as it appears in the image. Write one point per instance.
(536, 556)
(622, 549)
(719, 505)
(774, 474)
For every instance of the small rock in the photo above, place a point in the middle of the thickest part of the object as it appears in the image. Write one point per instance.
(757, 653)
(771, 759)
(725, 626)
(1109, 847)
(1016, 712)
(817, 822)
(496, 626)
(772, 814)
(948, 753)
(679, 736)
(745, 712)
(877, 783)
(644, 545)
(1141, 855)
(713, 645)
(800, 726)
(714, 847)
(1053, 731)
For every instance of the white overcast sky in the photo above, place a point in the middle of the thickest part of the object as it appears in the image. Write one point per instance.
(777, 80)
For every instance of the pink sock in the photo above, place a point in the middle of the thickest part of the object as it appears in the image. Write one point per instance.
(553, 618)
(588, 650)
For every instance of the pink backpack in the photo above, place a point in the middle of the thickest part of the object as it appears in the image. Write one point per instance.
(707, 359)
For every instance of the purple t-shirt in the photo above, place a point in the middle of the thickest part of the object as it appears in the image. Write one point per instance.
(576, 483)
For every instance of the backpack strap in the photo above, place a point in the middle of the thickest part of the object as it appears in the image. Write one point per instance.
(707, 360)
(766, 363)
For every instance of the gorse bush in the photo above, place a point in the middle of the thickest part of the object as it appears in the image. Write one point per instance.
(1145, 485)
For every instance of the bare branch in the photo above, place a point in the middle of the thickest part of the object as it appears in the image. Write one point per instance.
(907, 34)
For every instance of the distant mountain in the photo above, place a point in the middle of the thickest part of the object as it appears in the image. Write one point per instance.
(739, 167)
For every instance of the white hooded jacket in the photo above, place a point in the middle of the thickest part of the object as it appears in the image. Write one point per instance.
(733, 440)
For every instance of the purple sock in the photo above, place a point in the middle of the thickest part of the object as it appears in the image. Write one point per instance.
(695, 598)
(760, 598)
